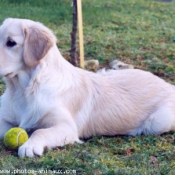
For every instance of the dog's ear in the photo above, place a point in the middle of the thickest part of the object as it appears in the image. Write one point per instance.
(36, 45)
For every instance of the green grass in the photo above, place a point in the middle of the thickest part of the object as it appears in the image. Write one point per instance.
(120, 155)
(140, 32)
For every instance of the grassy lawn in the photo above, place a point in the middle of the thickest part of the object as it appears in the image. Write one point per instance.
(139, 32)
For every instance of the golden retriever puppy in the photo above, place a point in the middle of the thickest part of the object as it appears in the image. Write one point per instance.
(62, 104)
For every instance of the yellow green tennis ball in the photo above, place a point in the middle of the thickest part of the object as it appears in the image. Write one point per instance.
(15, 137)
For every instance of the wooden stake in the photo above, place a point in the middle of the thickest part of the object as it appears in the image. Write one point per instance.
(74, 59)
(80, 31)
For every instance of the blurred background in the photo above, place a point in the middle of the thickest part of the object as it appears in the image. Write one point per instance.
(138, 32)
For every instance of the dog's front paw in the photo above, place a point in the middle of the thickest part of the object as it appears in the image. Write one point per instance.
(30, 149)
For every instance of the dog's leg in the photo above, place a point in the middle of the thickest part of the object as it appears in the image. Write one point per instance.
(4, 127)
(160, 121)
(47, 138)
(65, 132)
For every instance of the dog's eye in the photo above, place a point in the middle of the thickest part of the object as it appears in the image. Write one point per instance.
(10, 43)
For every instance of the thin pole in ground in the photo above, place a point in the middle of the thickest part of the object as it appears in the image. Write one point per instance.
(74, 34)
(80, 32)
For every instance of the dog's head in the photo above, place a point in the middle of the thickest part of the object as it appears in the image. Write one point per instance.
(23, 43)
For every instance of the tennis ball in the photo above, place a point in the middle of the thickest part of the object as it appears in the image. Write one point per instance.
(15, 137)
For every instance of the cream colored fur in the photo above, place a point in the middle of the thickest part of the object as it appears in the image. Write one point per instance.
(62, 103)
